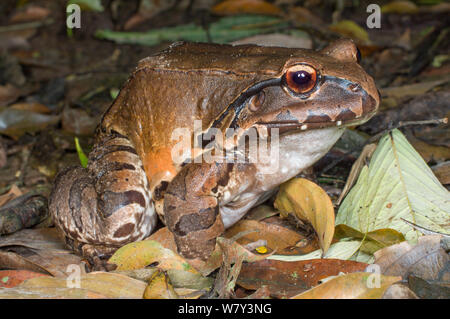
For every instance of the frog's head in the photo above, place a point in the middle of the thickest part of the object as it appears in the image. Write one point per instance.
(311, 90)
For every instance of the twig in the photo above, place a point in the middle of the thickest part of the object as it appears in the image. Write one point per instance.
(424, 122)
(376, 137)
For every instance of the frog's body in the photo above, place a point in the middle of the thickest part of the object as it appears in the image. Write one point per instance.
(132, 173)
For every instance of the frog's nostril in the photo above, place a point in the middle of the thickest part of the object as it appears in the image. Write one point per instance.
(354, 87)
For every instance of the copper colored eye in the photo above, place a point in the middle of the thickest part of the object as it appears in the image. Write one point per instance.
(301, 79)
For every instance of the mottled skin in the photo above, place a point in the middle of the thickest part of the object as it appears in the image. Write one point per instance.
(131, 173)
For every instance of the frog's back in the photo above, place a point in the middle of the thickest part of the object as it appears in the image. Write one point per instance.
(207, 57)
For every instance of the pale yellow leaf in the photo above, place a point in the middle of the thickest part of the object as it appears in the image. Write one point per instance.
(143, 253)
(311, 203)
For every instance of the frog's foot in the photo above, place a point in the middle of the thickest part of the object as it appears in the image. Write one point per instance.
(191, 208)
(96, 256)
(106, 204)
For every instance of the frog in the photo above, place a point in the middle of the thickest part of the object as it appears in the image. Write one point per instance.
(307, 97)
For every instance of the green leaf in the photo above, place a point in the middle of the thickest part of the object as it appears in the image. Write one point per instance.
(397, 184)
(373, 241)
(114, 92)
(83, 158)
(225, 30)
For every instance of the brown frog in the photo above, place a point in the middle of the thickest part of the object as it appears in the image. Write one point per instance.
(307, 97)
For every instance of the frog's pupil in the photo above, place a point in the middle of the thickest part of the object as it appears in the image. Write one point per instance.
(301, 77)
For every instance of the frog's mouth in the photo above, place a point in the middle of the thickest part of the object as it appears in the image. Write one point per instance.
(288, 126)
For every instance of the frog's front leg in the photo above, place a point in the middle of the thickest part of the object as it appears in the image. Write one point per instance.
(191, 208)
(105, 205)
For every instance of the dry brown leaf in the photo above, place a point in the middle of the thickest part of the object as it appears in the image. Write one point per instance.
(437, 8)
(410, 90)
(277, 237)
(159, 287)
(78, 122)
(427, 259)
(229, 271)
(47, 293)
(260, 293)
(231, 7)
(186, 293)
(42, 238)
(32, 107)
(16, 123)
(3, 156)
(10, 260)
(311, 203)
(178, 278)
(261, 212)
(357, 166)
(351, 29)
(442, 172)
(14, 192)
(235, 251)
(110, 285)
(402, 7)
(304, 16)
(430, 152)
(12, 278)
(38, 250)
(356, 285)
(165, 238)
(399, 291)
(146, 11)
(285, 279)
(8, 94)
(30, 13)
(56, 261)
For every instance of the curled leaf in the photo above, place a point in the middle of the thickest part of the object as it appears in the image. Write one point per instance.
(311, 203)
(16, 122)
(159, 287)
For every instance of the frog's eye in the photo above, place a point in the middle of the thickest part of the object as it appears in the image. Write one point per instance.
(301, 78)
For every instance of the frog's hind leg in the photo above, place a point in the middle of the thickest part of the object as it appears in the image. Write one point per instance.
(107, 204)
